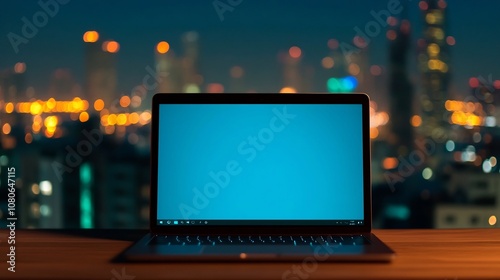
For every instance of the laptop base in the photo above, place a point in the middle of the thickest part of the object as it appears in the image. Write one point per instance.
(144, 250)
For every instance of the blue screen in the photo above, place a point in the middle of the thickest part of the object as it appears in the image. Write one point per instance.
(260, 162)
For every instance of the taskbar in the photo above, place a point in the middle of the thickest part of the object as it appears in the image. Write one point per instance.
(163, 222)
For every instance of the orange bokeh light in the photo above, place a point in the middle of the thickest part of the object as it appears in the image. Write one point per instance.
(236, 72)
(28, 138)
(295, 52)
(98, 105)
(6, 128)
(20, 67)
(124, 101)
(354, 69)
(416, 121)
(84, 116)
(391, 35)
(90, 36)
(111, 46)
(9, 108)
(162, 47)
(327, 62)
(390, 163)
(133, 118)
(288, 90)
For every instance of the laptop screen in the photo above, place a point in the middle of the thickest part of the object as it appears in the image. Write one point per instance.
(260, 164)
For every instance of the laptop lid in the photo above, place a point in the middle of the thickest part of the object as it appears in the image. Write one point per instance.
(260, 163)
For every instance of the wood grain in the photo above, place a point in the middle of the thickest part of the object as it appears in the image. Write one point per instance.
(421, 254)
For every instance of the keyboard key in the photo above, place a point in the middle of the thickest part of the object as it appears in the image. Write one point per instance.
(296, 240)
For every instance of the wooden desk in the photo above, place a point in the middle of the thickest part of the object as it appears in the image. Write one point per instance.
(422, 254)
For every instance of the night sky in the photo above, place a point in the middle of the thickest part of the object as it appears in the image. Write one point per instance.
(250, 36)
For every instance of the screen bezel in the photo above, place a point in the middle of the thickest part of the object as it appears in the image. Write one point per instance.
(261, 98)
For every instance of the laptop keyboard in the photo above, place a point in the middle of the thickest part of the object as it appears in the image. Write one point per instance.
(296, 240)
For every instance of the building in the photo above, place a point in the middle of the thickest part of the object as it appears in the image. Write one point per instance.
(400, 88)
(292, 78)
(167, 72)
(434, 61)
(13, 83)
(190, 62)
(477, 205)
(100, 68)
(62, 85)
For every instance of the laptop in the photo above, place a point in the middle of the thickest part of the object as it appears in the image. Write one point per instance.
(260, 177)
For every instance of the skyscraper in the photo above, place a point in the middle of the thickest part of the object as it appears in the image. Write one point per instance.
(100, 68)
(190, 61)
(400, 88)
(12, 83)
(62, 85)
(292, 69)
(166, 69)
(434, 65)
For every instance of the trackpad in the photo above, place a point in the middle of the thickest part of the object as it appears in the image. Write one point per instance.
(256, 249)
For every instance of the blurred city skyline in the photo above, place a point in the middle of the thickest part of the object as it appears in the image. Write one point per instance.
(250, 36)
(75, 97)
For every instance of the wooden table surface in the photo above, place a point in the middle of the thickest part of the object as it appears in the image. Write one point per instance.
(421, 254)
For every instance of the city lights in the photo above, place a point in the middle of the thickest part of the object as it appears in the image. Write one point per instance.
(390, 163)
(6, 128)
(288, 90)
(354, 69)
(492, 220)
(236, 72)
(189, 88)
(38, 107)
(391, 35)
(433, 50)
(35, 189)
(98, 105)
(126, 119)
(90, 36)
(423, 5)
(427, 173)
(333, 44)
(9, 107)
(215, 88)
(162, 47)
(342, 85)
(84, 116)
(416, 121)
(450, 40)
(45, 188)
(28, 138)
(124, 101)
(111, 46)
(450, 146)
(327, 62)
(376, 70)
(295, 52)
(20, 67)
